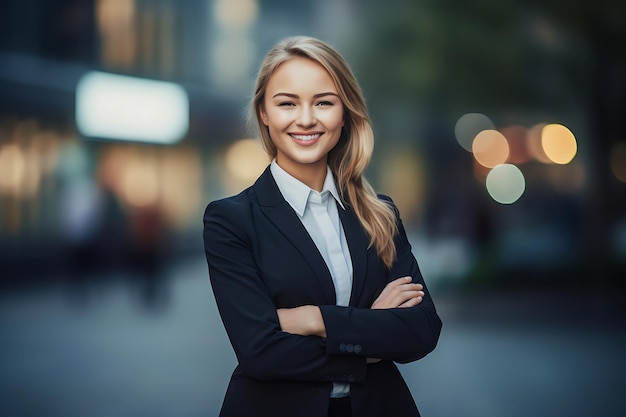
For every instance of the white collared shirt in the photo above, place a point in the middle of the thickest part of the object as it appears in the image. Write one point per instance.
(320, 217)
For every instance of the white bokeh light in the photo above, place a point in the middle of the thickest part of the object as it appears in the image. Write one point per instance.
(505, 183)
(112, 106)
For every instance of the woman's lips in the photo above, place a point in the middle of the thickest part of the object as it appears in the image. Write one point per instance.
(305, 139)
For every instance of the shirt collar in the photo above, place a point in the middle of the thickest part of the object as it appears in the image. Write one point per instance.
(296, 193)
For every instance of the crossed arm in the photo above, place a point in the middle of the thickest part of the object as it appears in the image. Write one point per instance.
(307, 320)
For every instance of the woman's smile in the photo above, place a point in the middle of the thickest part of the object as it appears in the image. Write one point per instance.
(306, 139)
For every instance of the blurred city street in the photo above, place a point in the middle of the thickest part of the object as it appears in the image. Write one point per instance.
(123, 346)
(498, 135)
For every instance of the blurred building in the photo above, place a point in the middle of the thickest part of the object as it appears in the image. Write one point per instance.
(70, 197)
(65, 195)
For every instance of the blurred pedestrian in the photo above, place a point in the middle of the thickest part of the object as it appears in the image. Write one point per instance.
(312, 272)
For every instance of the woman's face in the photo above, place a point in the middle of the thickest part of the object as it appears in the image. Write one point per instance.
(303, 113)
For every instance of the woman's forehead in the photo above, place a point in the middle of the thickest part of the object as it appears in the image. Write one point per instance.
(301, 74)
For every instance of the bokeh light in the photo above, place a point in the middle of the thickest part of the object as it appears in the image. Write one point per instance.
(558, 143)
(12, 168)
(490, 148)
(140, 183)
(182, 165)
(244, 161)
(468, 126)
(233, 47)
(505, 183)
(405, 171)
(618, 161)
(20, 170)
(150, 178)
(116, 21)
(236, 13)
(113, 106)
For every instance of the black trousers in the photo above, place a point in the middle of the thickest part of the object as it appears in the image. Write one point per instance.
(340, 407)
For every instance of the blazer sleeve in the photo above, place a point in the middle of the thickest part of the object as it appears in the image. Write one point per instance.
(263, 350)
(399, 334)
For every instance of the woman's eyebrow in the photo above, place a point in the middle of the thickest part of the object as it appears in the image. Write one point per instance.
(318, 95)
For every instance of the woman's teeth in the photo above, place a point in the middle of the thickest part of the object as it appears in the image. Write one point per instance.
(306, 137)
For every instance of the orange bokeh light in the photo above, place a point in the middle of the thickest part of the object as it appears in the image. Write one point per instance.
(490, 148)
(558, 143)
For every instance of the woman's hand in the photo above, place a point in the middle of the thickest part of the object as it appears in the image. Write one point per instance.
(400, 292)
(304, 320)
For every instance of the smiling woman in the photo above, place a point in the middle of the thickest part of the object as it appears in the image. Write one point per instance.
(312, 272)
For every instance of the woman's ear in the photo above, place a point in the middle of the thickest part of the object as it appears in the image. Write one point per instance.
(263, 114)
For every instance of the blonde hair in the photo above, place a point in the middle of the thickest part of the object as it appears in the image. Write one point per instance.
(352, 154)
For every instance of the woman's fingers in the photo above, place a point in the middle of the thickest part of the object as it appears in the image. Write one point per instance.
(412, 302)
(400, 293)
(393, 285)
(405, 296)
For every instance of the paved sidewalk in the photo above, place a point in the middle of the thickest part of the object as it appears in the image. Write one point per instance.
(123, 347)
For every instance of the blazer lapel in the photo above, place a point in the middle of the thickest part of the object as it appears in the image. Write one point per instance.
(280, 213)
(357, 242)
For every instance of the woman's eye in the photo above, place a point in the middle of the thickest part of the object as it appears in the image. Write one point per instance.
(324, 103)
(286, 104)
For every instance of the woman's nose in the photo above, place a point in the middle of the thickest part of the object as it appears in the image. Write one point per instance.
(306, 117)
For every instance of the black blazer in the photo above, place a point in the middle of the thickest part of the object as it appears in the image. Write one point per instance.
(261, 258)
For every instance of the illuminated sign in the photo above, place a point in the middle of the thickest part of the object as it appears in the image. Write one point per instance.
(110, 106)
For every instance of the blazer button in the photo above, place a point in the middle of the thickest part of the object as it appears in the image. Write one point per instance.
(342, 347)
(357, 348)
(350, 347)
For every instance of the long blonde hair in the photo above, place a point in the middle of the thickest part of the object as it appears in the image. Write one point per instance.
(352, 154)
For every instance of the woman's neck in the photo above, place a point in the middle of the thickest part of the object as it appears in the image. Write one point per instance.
(313, 175)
